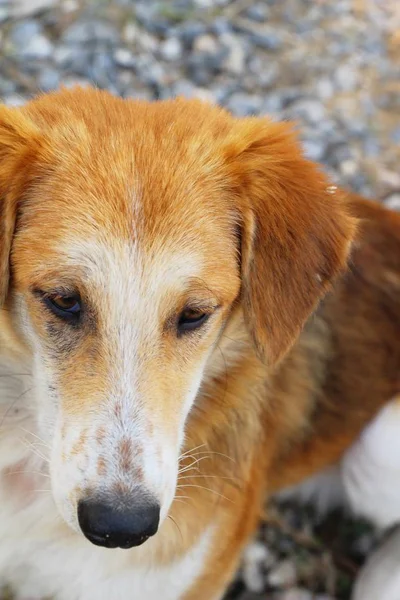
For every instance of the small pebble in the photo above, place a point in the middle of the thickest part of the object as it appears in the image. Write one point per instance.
(171, 49)
(205, 43)
(283, 575)
(393, 201)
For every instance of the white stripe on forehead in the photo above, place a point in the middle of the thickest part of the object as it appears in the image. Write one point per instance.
(117, 266)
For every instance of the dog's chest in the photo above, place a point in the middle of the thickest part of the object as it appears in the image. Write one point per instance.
(37, 567)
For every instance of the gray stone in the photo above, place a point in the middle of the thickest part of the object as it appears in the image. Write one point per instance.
(145, 11)
(253, 568)
(395, 135)
(393, 201)
(259, 12)
(124, 58)
(283, 574)
(199, 75)
(220, 26)
(289, 95)
(24, 8)
(73, 58)
(171, 49)
(38, 47)
(296, 594)
(7, 86)
(338, 153)
(346, 77)
(154, 74)
(312, 111)
(102, 69)
(272, 104)
(4, 14)
(325, 88)
(235, 60)
(356, 127)
(221, 93)
(207, 44)
(202, 64)
(14, 100)
(371, 147)
(314, 149)
(268, 39)
(84, 32)
(268, 75)
(22, 33)
(348, 168)
(243, 105)
(189, 31)
(49, 79)
(184, 88)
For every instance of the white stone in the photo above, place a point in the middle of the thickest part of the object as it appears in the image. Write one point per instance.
(283, 575)
(38, 47)
(171, 49)
(205, 43)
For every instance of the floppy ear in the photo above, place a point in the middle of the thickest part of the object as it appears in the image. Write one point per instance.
(19, 139)
(295, 232)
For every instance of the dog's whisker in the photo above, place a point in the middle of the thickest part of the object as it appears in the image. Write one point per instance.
(193, 458)
(191, 450)
(183, 499)
(192, 465)
(213, 453)
(209, 477)
(204, 488)
(28, 473)
(176, 525)
(194, 462)
(33, 448)
(15, 375)
(42, 442)
(11, 406)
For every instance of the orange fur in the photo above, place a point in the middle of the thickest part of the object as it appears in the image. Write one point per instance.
(283, 394)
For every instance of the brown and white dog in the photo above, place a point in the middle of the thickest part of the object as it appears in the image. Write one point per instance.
(160, 368)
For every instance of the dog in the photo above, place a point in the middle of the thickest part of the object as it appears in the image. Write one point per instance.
(193, 319)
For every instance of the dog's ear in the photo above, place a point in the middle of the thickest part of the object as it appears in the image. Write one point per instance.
(295, 232)
(19, 142)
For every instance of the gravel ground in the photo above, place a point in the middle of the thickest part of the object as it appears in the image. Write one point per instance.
(334, 67)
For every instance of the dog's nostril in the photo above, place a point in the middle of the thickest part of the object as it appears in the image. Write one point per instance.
(120, 525)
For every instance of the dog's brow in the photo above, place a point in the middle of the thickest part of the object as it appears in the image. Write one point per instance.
(202, 303)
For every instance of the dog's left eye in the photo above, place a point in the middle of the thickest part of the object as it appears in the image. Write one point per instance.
(190, 319)
(66, 307)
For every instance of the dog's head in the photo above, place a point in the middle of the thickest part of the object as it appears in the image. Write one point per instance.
(130, 232)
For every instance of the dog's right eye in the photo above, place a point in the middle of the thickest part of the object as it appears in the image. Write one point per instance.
(65, 307)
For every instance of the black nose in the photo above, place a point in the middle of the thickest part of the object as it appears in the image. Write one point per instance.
(119, 524)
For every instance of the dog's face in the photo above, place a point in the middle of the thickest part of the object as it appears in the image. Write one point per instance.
(135, 231)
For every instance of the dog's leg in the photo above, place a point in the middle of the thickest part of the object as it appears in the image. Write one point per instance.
(371, 469)
(371, 477)
(380, 577)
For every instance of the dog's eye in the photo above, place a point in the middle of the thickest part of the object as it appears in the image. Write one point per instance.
(66, 307)
(191, 319)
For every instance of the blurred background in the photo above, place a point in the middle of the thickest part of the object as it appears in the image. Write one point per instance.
(331, 65)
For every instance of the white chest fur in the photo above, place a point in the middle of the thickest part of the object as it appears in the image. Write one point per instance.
(65, 569)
